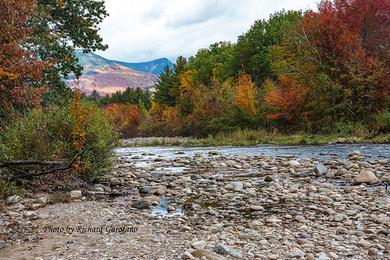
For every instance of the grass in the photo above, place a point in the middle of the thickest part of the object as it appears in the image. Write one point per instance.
(255, 137)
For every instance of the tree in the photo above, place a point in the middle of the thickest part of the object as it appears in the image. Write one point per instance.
(245, 94)
(168, 86)
(164, 88)
(287, 98)
(358, 80)
(19, 69)
(58, 28)
(251, 54)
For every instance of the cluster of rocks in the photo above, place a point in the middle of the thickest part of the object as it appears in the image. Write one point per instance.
(249, 207)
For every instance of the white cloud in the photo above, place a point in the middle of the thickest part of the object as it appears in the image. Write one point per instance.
(151, 29)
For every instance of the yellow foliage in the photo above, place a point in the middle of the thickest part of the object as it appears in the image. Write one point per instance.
(5, 74)
(245, 94)
(79, 116)
(186, 83)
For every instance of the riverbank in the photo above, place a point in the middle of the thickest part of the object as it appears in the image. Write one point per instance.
(250, 138)
(210, 204)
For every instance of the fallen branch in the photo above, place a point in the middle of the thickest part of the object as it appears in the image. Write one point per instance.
(30, 163)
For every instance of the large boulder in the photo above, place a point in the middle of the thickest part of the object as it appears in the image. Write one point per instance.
(365, 177)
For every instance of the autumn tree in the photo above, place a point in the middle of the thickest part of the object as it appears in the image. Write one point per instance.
(245, 95)
(287, 98)
(19, 69)
(126, 118)
(356, 77)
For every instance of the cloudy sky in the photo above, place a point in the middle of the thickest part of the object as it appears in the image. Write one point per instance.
(142, 30)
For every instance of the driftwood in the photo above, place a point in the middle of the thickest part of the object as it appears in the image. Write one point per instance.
(48, 166)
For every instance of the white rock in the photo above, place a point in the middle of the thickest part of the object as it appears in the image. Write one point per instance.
(294, 163)
(322, 256)
(13, 199)
(296, 252)
(198, 244)
(237, 185)
(75, 194)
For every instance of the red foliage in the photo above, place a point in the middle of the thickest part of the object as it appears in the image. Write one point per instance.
(352, 39)
(288, 98)
(370, 20)
(18, 67)
(126, 118)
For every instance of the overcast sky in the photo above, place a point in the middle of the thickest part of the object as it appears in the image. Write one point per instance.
(143, 30)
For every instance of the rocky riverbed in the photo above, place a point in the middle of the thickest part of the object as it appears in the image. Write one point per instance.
(212, 204)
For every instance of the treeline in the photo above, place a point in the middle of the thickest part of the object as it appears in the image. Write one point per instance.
(323, 71)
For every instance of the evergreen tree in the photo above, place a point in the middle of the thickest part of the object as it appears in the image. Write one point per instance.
(165, 88)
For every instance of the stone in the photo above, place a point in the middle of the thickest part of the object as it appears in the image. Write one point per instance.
(187, 256)
(226, 250)
(355, 156)
(256, 207)
(296, 252)
(272, 256)
(205, 254)
(237, 185)
(13, 199)
(322, 256)
(42, 200)
(32, 215)
(320, 169)
(341, 172)
(386, 178)
(141, 204)
(198, 244)
(294, 163)
(268, 178)
(213, 152)
(145, 190)
(75, 194)
(115, 181)
(365, 177)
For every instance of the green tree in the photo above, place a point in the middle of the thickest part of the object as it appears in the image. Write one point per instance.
(251, 54)
(58, 28)
(168, 86)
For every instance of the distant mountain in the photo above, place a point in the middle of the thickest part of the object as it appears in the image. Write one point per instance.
(153, 67)
(107, 76)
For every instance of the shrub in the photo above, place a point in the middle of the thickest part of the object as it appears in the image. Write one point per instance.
(80, 132)
(382, 122)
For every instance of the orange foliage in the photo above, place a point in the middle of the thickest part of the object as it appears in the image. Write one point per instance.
(245, 96)
(126, 118)
(288, 98)
(79, 117)
(18, 67)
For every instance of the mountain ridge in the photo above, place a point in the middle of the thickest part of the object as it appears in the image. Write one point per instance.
(155, 66)
(109, 76)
